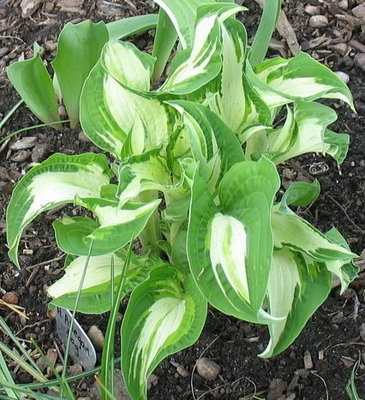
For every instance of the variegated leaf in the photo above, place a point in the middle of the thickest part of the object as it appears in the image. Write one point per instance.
(213, 145)
(136, 73)
(345, 270)
(300, 77)
(282, 284)
(299, 194)
(95, 295)
(229, 102)
(297, 287)
(113, 115)
(305, 132)
(183, 15)
(165, 314)
(148, 171)
(56, 181)
(299, 235)
(228, 244)
(194, 69)
(116, 227)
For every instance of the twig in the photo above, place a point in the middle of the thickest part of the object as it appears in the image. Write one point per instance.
(31, 326)
(345, 212)
(45, 262)
(32, 276)
(252, 395)
(14, 308)
(324, 382)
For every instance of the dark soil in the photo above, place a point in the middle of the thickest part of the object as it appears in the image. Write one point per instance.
(332, 337)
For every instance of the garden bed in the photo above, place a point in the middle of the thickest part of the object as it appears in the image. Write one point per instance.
(334, 339)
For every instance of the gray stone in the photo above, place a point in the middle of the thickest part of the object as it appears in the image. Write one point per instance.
(40, 152)
(343, 76)
(340, 48)
(207, 369)
(359, 11)
(318, 21)
(360, 60)
(312, 10)
(96, 336)
(29, 7)
(343, 4)
(24, 143)
(4, 51)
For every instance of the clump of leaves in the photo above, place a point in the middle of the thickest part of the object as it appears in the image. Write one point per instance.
(196, 183)
(78, 50)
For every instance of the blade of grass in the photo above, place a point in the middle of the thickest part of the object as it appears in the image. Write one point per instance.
(69, 379)
(164, 42)
(107, 361)
(20, 389)
(29, 128)
(5, 328)
(110, 396)
(351, 387)
(109, 366)
(6, 376)
(10, 113)
(22, 363)
(68, 343)
(62, 383)
(264, 32)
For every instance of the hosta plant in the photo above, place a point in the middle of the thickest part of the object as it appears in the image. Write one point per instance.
(192, 180)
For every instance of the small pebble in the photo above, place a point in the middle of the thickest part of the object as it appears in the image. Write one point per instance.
(11, 298)
(109, 8)
(59, 368)
(340, 48)
(75, 369)
(344, 77)
(276, 388)
(362, 331)
(96, 336)
(51, 314)
(62, 111)
(182, 371)
(52, 358)
(318, 21)
(20, 156)
(207, 369)
(48, 6)
(50, 45)
(24, 143)
(343, 4)
(312, 10)
(41, 363)
(359, 11)
(40, 152)
(4, 51)
(360, 60)
(338, 318)
(152, 380)
(308, 363)
(29, 7)
(82, 136)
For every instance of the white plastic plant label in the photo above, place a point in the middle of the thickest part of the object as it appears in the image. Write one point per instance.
(82, 350)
